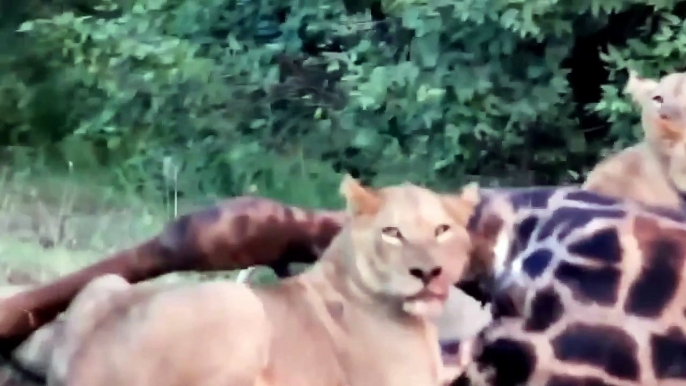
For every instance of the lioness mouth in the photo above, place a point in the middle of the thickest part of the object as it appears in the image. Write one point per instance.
(427, 294)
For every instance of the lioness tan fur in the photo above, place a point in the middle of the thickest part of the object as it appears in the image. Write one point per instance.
(357, 317)
(654, 170)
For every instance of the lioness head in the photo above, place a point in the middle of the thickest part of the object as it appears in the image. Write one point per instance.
(409, 243)
(663, 114)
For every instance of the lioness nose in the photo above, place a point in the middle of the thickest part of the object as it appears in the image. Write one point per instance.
(426, 275)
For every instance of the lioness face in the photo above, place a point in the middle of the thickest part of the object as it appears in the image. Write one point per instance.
(411, 243)
(663, 114)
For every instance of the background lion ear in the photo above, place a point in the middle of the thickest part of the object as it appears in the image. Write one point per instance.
(359, 199)
(639, 88)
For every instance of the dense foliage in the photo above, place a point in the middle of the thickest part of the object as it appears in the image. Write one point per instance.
(230, 96)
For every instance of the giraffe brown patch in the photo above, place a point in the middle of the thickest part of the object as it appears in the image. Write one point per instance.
(656, 285)
(506, 303)
(179, 242)
(175, 233)
(525, 228)
(589, 197)
(489, 227)
(288, 214)
(546, 309)
(241, 226)
(590, 284)
(523, 231)
(605, 347)
(209, 215)
(326, 230)
(569, 380)
(463, 380)
(567, 219)
(511, 362)
(532, 198)
(602, 245)
(484, 231)
(669, 354)
(475, 289)
(537, 262)
(478, 215)
(508, 298)
(450, 347)
(658, 280)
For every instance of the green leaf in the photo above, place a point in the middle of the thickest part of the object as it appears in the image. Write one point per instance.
(258, 123)
(364, 138)
(26, 26)
(425, 49)
(509, 18)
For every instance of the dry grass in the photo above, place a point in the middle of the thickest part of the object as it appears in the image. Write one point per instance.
(51, 226)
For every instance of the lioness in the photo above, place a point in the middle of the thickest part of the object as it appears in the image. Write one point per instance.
(654, 170)
(357, 317)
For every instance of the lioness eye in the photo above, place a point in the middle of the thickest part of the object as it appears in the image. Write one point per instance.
(441, 229)
(658, 99)
(392, 232)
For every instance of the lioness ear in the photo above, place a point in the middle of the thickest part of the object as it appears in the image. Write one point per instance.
(359, 199)
(461, 206)
(471, 193)
(639, 88)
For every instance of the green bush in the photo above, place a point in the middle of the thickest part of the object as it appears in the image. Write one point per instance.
(223, 97)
